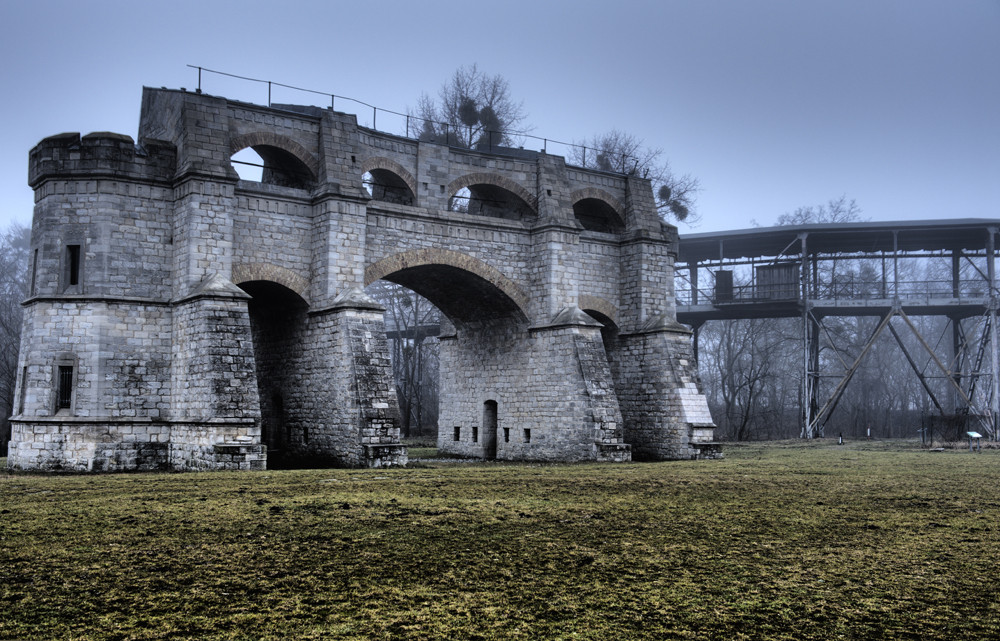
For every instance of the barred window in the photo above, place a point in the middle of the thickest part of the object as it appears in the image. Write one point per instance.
(65, 387)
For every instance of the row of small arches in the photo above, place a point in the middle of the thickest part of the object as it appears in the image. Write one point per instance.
(480, 194)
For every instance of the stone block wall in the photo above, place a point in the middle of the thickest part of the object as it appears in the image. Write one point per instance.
(341, 403)
(66, 443)
(666, 416)
(560, 405)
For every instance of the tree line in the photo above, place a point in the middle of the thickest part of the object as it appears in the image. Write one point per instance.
(14, 244)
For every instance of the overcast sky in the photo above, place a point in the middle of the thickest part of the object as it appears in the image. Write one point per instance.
(771, 104)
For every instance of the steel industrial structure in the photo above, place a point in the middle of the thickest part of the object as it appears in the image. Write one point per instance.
(792, 272)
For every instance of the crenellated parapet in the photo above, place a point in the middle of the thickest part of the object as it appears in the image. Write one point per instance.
(101, 155)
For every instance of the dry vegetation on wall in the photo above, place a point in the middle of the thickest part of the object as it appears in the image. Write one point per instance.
(793, 541)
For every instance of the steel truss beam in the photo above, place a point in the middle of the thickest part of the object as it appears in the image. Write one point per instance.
(819, 418)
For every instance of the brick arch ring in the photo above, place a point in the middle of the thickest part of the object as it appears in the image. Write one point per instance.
(599, 194)
(447, 257)
(246, 272)
(598, 304)
(483, 178)
(242, 141)
(381, 162)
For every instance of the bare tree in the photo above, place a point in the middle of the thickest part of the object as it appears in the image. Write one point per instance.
(14, 244)
(410, 321)
(836, 210)
(623, 153)
(473, 110)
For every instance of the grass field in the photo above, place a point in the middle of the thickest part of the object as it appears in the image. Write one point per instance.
(787, 541)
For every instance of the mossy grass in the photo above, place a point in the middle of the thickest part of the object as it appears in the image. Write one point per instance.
(788, 541)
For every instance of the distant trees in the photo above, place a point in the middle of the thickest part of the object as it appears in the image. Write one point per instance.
(473, 109)
(14, 244)
(411, 321)
(623, 153)
(836, 210)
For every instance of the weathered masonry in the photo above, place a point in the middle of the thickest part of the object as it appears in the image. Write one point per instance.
(181, 318)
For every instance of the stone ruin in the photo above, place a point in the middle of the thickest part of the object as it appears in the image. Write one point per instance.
(181, 318)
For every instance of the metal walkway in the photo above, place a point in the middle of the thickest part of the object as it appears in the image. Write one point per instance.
(813, 272)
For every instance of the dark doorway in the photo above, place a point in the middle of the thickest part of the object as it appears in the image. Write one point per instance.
(490, 430)
(277, 323)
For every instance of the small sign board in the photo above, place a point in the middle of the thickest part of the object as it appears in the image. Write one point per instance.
(974, 435)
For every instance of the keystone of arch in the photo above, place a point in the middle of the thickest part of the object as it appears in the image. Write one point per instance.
(271, 139)
(598, 304)
(246, 272)
(599, 194)
(433, 256)
(483, 178)
(381, 162)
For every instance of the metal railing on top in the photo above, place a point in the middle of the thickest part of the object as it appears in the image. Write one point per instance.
(408, 123)
(973, 290)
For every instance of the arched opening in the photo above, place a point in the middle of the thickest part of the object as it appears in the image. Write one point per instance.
(412, 325)
(248, 165)
(594, 214)
(386, 186)
(483, 199)
(277, 325)
(270, 165)
(461, 295)
(483, 330)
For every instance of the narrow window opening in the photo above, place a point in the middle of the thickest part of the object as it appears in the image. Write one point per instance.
(506, 435)
(490, 429)
(34, 271)
(458, 433)
(73, 264)
(65, 387)
(527, 435)
(475, 434)
(305, 433)
(24, 390)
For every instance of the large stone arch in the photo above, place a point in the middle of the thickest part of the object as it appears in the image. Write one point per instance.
(599, 194)
(381, 162)
(484, 178)
(246, 272)
(431, 257)
(271, 139)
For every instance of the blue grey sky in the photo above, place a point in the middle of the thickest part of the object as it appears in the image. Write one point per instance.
(771, 104)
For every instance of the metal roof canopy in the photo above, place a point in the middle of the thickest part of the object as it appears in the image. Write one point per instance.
(830, 238)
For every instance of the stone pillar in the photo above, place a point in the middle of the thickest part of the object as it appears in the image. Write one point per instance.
(347, 412)
(666, 416)
(433, 176)
(216, 414)
(338, 251)
(555, 244)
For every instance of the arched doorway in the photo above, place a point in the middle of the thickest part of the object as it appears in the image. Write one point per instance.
(491, 422)
(277, 325)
